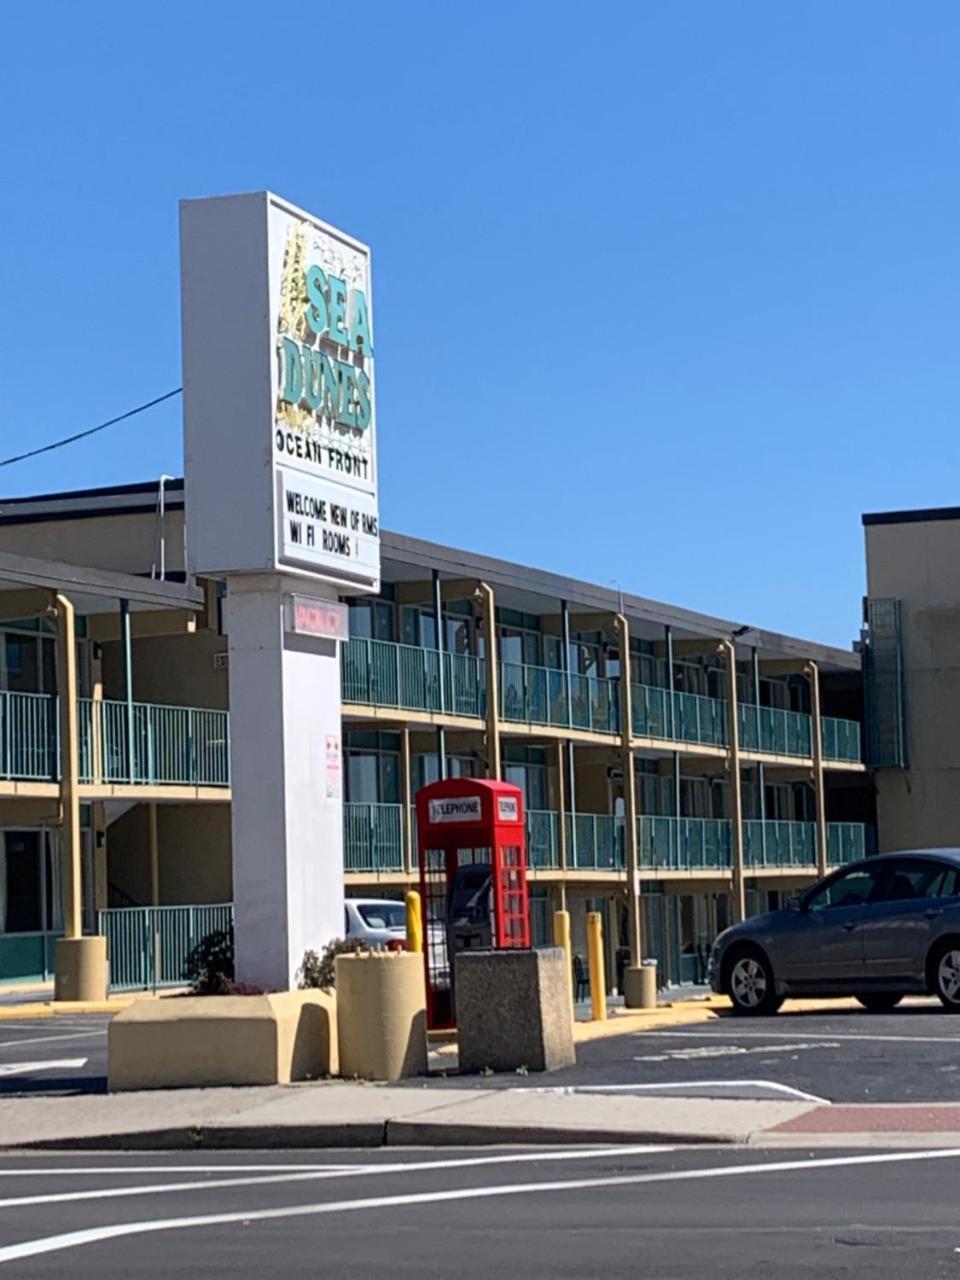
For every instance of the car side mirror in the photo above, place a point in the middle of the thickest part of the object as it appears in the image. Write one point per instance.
(795, 904)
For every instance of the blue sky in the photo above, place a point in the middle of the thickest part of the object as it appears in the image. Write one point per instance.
(664, 294)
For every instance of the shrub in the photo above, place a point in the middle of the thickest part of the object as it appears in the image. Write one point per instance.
(210, 966)
(321, 970)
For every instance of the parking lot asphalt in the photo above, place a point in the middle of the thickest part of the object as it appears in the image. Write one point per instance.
(843, 1055)
(65, 1054)
(560, 1213)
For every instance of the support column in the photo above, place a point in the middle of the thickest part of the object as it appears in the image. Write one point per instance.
(96, 718)
(571, 763)
(81, 963)
(736, 799)
(101, 887)
(629, 795)
(287, 807)
(819, 788)
(492, 675)
(441, 674)
(406, 785)
(761, 796)
(127, 644)
(639, 984)
(562, 824)
(153, 845)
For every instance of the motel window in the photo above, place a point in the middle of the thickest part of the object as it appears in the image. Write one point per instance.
(371, 620)
(372, 768)
(426, 769)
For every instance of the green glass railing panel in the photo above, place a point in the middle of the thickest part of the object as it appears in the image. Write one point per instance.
(774, 730)
(779, 844)
(148, 947)
(595, 842)
(463, 684)
(678, 717)
(380, 673)
(533, 695)
(846, 842)
(150, 743)
(29, 736)
(683, 844)
(841, 739)
(543, 851)
(373, 837)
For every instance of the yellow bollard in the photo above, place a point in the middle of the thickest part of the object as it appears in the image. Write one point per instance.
(598, 981)
(561, 938)
(414, 922)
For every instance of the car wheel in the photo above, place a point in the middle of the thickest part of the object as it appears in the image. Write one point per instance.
(946, 976)
(880, 1001)
(750, 985)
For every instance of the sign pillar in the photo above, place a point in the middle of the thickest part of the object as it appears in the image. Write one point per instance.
(281, 495)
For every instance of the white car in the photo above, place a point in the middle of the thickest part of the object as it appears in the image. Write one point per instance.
(379, 921)
(382, 921)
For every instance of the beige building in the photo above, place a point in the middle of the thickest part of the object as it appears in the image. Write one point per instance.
(911, 654)
(727, 759)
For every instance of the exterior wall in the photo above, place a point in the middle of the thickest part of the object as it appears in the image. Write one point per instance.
(919, 564)
(125, 543)
(175, 669)
(194, 845)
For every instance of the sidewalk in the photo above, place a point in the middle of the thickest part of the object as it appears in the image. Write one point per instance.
(339, 1114)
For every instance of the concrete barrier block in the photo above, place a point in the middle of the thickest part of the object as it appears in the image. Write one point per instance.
(513, 1010)
(201, 1041)
(381, 1015)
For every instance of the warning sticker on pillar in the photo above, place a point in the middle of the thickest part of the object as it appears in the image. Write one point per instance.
(334, 766)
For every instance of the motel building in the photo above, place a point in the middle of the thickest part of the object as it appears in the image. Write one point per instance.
(745, 747)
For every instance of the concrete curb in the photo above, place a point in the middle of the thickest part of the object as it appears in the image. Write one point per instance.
(365, 1135)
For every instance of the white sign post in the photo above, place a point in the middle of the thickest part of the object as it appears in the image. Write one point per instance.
(281, 494)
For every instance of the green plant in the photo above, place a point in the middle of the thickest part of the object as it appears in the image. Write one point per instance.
(321, 970)
(210, 965)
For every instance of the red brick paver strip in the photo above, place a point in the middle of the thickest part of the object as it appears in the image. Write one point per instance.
(918, 1118)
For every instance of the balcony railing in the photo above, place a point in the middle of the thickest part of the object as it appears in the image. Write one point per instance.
(595, 842)
(774, 730)
(848, 842)
(539, 695)
(681, 717)
(543, 848)
(150, 743)
(380, 673)
(29, 737)
(779, 844)
(143, 743)
(841, 739)
(682, 844)
(373, 837)
(374, 842)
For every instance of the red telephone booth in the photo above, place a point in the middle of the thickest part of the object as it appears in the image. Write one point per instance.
(471, 837)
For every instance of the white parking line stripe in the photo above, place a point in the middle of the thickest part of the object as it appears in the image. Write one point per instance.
(73, 1035)
(774, 1085)
(123, 1170)
(92, 1235)
(315, 1175)
(52, 1064)
(733, 1033)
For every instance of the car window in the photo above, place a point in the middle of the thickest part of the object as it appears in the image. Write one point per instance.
(919, 878)
(384, 915)
(852, 889)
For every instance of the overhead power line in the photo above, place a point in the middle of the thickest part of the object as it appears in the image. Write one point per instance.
(81, 435)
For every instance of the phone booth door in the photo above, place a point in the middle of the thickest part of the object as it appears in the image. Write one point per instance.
(471, 838)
